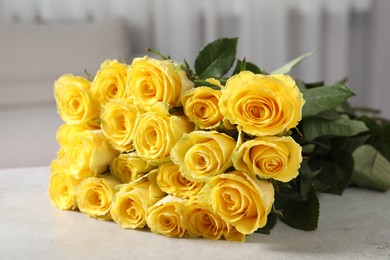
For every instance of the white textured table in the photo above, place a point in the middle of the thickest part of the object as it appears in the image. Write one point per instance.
(354, 226)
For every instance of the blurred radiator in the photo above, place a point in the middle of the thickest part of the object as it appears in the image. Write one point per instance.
(274, 32)
(270, 32)
(350, 37)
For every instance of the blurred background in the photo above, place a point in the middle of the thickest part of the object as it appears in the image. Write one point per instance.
(43, 39)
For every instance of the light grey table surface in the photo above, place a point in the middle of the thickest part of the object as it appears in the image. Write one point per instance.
(354, 226)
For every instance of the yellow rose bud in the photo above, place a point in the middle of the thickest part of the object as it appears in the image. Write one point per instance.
(74, 103)
(152, 81)
(109, 82)
(95, 196)
(241, 201)
(118, 121)
(171, 181)
(201, 221)
(165, 217)
(234, 235)
(132, 200)
(66, 133)
(203, 154)
(61, 155)
(269, 157)
(155, 192)
(261, 105)
(89, 154)
(62, 187)
(157, 131)
(128, 167)
(201, 106)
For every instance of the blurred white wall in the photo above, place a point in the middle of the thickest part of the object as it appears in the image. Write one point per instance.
(42, 39)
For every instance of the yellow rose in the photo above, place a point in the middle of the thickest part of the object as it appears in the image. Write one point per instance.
(170, 180)
(94, 196)
(201, 221)
(241, 201)
(165, 217)
(157, 131)
(61, 155)
(261, 105)
(89, 154)
(117, 122)
(269, 157)
(234, 235)
(109, 82)
(131, 201)
(62, 187)
(152, 81)
(201, 106)
(128, 167)
(66, 133)
(74, 103)
(203, 154)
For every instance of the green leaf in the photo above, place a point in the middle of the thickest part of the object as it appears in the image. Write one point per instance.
(383, 142)
(322, 146)
(308, 148)
(204, 83)
(305, 170)
(370, 123)
(216, 58)
(371, 169)
(315, 127)
(324, 98)
(333, 177)
(329, 115)
(306, 178)
(298, 213)
(315, 84)
(246, 65)
(379, 135)
(290, 65)
(271, 222)
(305, 185)
(301, 85)
(348, 144)
(345, 108)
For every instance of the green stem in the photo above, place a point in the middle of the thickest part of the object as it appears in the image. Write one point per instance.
(89, 76)
(366, 109)
(316, 143)
(158, 54)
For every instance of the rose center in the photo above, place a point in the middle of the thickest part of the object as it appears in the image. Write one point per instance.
(132, 212)
(201, 111)
(120, 123)
(183, 181)
(148, 90)
(151, 137)
(272, 165)
(64, 190)
(95, 199)
(75, 105)
(165, 220)
(112, 90)
(206, 221)
(230, 198)
(255, 111)
(201, 162)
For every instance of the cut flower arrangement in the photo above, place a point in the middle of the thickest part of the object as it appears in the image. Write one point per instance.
(219, 151)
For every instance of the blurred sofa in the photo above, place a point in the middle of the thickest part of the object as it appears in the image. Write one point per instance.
(32, 57)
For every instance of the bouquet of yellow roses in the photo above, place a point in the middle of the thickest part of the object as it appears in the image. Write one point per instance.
(196, 152)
